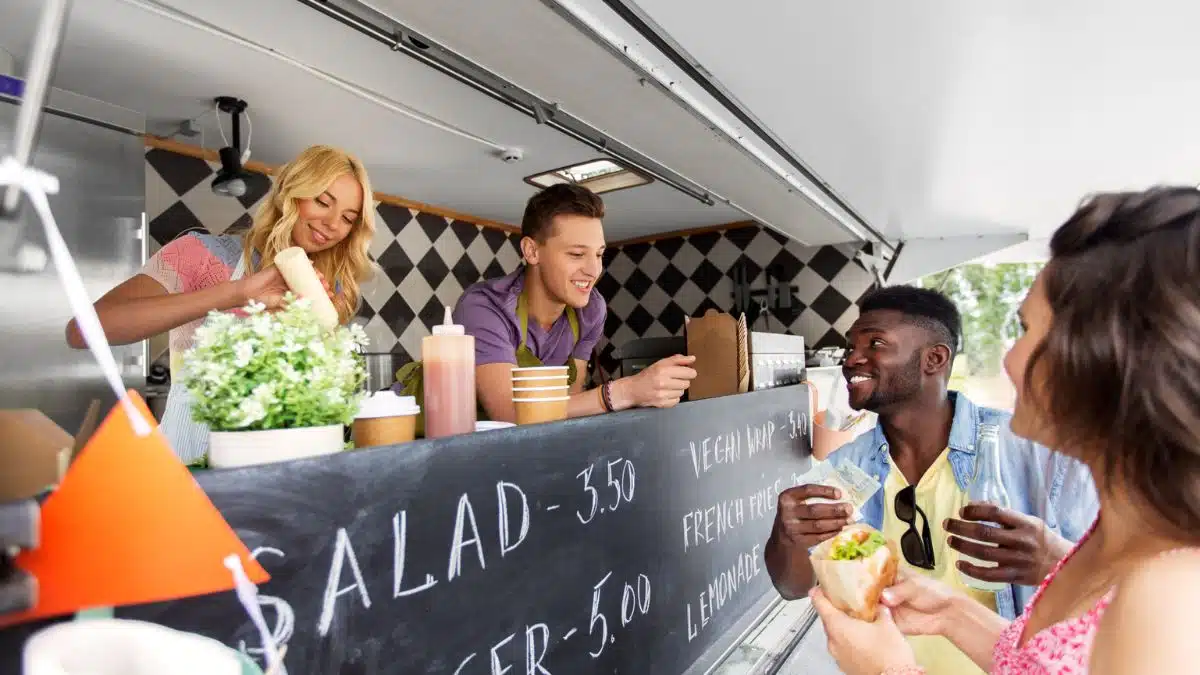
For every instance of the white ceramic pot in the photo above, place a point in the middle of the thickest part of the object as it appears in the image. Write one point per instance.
(124, 647)
(228, 449)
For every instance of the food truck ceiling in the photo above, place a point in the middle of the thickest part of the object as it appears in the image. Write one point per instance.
(928, 121)
(942, 118)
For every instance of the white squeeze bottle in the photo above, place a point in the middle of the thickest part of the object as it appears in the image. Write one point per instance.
(988, 486)
(301, 277)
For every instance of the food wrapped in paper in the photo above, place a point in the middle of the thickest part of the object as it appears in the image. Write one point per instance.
(854, 567)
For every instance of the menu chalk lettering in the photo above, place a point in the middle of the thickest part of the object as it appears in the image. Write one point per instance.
(625, 543)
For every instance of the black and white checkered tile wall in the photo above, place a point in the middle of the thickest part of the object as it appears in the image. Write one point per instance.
(651, 287)
(426, 260)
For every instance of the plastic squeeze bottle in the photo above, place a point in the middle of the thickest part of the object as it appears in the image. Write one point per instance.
(301, 277)
(448, 367)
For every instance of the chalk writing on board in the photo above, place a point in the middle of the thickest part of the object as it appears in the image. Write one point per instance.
(623, 483)
(285, 617)
(342, 552)
(798, 425)
(559, 582)
(720, 590)
(760, 438)
(513, 516)
(730, 448)
(635, 601)
(710, 524)
(537, 642)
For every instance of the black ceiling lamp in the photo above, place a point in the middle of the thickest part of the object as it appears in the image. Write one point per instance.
(231, 178)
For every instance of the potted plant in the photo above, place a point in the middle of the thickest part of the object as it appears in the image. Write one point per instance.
(273, 386)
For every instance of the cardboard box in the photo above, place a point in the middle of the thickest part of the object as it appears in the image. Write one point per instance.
(713, 340)
(35, 452)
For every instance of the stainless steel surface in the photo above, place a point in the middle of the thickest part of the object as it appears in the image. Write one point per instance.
(637, 355)
(99, 210)
(52, 25)
(776, 360)
(143, 237)
(381, 370)
(811, 656)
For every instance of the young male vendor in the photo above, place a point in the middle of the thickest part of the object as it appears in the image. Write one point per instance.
(549, 313)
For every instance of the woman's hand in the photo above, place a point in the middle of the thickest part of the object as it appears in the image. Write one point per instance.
(862, 648)
(920, 605)
(268, 287)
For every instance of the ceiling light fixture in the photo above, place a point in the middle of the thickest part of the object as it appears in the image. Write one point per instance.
(597, 175)
(231, 178)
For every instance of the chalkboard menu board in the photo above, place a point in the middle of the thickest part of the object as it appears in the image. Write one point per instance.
(627, 543)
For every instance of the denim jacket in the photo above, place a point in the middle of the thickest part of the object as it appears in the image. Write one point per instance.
(1040, 482)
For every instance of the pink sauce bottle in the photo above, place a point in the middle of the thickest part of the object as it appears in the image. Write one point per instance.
(448, 371)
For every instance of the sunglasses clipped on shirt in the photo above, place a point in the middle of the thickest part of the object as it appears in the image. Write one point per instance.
(917, 547)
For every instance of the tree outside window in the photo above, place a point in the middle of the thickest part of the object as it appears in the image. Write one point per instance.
(988, 296)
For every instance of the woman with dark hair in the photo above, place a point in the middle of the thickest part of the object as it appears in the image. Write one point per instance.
(1107, 371)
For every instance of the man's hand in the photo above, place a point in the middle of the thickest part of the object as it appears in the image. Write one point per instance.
(810, 524)
(662, 384)
(1024, 549)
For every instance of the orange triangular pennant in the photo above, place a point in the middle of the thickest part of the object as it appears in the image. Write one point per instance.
(129, 525)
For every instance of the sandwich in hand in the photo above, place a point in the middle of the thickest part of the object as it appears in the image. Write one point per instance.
(854, 567)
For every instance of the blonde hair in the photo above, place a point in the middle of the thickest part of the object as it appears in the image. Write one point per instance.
(345, 265)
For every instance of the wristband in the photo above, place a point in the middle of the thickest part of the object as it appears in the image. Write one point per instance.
(606, 396)
(904, 670)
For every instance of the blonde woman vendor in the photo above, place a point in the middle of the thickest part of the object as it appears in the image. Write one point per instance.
(320, 201)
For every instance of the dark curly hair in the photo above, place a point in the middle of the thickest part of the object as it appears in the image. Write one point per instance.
(929, 309)
(1119, 368)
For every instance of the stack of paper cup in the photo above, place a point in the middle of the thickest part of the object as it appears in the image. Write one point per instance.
(540, 394)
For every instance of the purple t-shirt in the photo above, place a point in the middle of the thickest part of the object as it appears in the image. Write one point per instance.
(488, 310)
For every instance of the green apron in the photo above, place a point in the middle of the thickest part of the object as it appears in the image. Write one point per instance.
(411, 375)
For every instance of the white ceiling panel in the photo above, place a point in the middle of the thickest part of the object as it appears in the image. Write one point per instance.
(943, 117)
(527, 42)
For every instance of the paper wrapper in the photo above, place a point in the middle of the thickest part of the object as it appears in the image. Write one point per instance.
(856, 486)
(854, 586)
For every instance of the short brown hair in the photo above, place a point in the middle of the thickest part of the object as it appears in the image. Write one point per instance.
(564, 199)
(1121, 360)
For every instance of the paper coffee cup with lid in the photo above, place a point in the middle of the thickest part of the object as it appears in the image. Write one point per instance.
(385, 418)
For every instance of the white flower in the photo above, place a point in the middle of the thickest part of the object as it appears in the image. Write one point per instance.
(268, 370)
(250, 411)
(242, 353)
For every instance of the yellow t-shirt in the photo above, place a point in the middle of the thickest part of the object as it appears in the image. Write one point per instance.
(939, 497)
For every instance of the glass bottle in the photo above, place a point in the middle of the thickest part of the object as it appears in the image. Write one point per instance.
(986, 486)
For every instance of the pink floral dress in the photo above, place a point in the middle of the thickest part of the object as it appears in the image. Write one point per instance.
(1063, 648)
